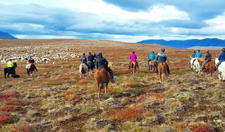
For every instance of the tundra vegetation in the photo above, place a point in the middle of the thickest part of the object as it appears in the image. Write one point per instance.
(56, 99)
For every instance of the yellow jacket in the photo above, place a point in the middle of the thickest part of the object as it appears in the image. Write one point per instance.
(10, 64)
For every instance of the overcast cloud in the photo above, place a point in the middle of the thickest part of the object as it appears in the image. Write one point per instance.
(121, 20)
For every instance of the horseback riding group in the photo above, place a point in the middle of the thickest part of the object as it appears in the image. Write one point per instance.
(206, 64)
(10, 69)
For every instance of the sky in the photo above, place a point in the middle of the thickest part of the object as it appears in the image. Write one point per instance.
(119, 20)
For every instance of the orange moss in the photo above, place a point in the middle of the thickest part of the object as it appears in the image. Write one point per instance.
(6, 117)
(142, 96)
(82, 82)
(9, 108)
(71, 97)
(158, 95)
(201, 128)
(127, 113)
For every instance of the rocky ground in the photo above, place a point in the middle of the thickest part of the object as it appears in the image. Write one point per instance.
(56, 99)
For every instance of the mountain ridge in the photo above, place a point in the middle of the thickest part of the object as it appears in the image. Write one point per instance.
(4, 35)
(184, 44)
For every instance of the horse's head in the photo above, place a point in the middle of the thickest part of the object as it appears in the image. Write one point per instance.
(14, 64)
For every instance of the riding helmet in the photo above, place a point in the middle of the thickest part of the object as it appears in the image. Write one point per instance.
(163, 50)
(207, 51)
(83, 53)
(133, 52)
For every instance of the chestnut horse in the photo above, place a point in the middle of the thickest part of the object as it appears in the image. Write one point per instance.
(133, 66)
(101, 76)
(210, 67)
(162, 69)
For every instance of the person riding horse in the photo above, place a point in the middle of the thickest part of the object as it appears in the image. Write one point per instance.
(84, 60)
(221, 59)
(207, 59)
(193, 54)
(198, 54)
(133, 57)
(11, 67)
(151, 57)
(161, 57)
(32, 62)
(91, 58)
(103, 63)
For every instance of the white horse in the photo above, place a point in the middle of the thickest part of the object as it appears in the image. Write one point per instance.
(192, 63)
(221, 69)
(83, 69)
(197, 66)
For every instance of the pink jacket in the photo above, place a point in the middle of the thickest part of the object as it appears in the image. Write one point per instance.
(133, 57)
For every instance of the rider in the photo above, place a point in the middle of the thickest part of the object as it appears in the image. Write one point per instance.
(151, 57)
(10, 66)
(31, 62)
(198, 54)
(207, 58)
(193, 54)
(84, 60)
(221, 59)
(133, 57)
(103, 63)
(161, 57)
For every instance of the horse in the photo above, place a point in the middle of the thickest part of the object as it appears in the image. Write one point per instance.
(192, 63)
(152, 65)
(10, 71)
(221, 69)
(30, 69)
(197, 64)
(210, 67)
(133, 66)
(102, 77)
(91, 65)
(83, 69)
(162, 69)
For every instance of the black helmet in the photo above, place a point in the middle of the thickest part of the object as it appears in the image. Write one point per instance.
(89, 52)
(223, 49)
(83, 53)
(198, 50)
(99, 54)
(133, 52)
(10, 59)
(163, 50)
(207, 51)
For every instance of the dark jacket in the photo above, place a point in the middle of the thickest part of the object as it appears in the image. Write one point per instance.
(221, 57)
(90, 57)
(101, 62)
(161, 57)
(83, 59)
(208, 57)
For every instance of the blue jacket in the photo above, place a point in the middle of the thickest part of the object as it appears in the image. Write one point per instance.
(198, 55)
(152, 56)
(221, 57)
(161, 57)
(83, 59)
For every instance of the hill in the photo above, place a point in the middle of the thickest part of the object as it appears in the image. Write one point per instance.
(56, 99)
(183, 44)
(4, 35)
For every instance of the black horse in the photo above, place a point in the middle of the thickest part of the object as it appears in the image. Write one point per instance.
(30, 69)
(10, 71)
(91, 65)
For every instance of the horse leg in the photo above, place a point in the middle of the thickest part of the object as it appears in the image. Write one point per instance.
(99, 90)
(106, 87)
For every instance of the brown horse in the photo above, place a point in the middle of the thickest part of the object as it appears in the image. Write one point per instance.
(210, 67)
(101, 77)
(133, 65)
(162, 69)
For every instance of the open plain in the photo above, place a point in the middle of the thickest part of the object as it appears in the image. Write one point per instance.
(56, 99)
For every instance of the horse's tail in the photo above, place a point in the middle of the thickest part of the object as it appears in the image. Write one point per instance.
(198, 67)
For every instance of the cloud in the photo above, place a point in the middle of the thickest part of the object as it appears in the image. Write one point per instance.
(114, 20)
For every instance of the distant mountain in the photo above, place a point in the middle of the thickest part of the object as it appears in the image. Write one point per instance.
(183, 44)
(4, 35)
